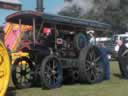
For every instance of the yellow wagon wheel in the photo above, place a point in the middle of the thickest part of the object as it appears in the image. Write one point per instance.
(4, 69)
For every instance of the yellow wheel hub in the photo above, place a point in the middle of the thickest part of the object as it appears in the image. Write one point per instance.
(4, 69)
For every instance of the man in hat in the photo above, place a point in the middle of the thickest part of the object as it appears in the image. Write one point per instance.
(91, 34)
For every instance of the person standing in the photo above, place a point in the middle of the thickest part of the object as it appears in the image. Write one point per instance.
(122, 58)
(104, 58)
(92, 38)
(122, 47)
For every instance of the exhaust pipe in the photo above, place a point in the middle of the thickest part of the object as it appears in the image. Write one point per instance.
(39, 5)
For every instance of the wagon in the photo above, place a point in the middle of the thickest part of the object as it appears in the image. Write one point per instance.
(59, 51)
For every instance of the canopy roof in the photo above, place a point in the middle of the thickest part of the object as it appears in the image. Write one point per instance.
(27, 16)
(13, 5)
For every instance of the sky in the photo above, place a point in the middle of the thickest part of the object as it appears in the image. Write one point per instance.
(51, 6)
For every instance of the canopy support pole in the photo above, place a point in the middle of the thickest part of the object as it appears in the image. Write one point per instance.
(34, 30)
(20, 25)
(20, 29)
(56, 34)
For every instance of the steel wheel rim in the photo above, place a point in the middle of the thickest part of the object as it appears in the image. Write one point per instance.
(4, 69)
(23, 73)
(52, 72)
(93, 61)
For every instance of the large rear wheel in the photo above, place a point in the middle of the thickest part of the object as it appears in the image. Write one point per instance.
(91, 66)
(4, 69)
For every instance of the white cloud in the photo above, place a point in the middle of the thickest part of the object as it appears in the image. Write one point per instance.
(11, 1)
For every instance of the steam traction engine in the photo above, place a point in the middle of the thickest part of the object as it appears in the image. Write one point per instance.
(60, 54)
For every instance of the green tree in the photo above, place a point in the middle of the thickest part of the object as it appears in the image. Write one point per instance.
(110, 11)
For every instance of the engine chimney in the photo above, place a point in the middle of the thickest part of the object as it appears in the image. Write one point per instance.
(40, 6)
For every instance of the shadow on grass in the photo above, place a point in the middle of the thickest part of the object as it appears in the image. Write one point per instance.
(122, 77)
(118, 75)
(11, 92)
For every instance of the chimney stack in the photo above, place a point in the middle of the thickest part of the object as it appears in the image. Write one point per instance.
(40, 6)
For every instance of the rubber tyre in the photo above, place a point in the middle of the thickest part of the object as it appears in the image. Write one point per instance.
(21, 85)
(44, 81)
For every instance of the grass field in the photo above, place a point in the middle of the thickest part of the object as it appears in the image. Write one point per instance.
(114, 87)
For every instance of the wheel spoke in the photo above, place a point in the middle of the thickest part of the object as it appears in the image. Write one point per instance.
(27, 79)
(28, 72)
(48, 78)
(18, 69)
(18, 77)
(97, 59)
(54, 64)
(18, 72)
(87, 61)
(24, 66)
(48, 75)
(27, 66)
(48, 69)
(21, 79)
(93, 75)
(93, 54)
(88, 67)
(21, 67)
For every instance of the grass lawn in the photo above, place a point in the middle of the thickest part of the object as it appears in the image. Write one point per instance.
(114, 87)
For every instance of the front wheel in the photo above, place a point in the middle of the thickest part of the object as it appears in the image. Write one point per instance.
(22, 72)
(51, 72)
